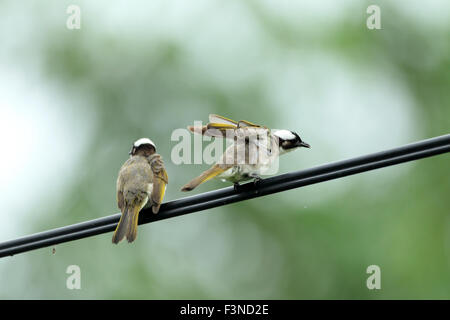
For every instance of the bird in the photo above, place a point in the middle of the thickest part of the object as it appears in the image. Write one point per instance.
(141, 183)
(250, 141)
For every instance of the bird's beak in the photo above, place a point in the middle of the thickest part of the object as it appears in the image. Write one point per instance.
(304, 144)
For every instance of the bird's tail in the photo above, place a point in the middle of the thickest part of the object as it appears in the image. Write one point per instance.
(127, 226)
(205, 176)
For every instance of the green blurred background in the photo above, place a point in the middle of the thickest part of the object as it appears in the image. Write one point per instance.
(73, 101)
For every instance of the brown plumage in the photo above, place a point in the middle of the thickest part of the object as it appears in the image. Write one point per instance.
(141, 183)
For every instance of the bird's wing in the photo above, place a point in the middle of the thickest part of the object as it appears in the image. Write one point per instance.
(214, 118)
(222, 127)
(120, 200)
(245, 123)
(210, 131)
(160, 180)
(217, 120)
(119, 188)
(219, 125)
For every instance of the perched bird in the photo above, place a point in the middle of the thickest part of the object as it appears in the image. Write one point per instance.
(141, 183)
(251, 141)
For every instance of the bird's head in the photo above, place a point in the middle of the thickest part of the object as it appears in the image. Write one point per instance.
(289, 140)
(143, 146)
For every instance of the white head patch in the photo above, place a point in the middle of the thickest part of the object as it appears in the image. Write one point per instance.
(285, 134)
(142, 141)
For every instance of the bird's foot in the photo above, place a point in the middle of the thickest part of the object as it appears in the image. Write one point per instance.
(236, 186)
(257, 181)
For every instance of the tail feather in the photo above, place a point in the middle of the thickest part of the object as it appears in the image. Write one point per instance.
(127, 226)
(205, 176)
(132, 227)
(121, 229)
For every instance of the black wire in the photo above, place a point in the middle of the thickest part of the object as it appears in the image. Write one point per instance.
(212, 199)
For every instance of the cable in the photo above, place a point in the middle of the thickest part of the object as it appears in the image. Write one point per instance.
(216, 198)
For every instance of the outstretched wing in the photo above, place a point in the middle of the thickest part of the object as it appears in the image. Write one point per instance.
(222, 127)
(245, 123)
(214, 118)
(217, 120)
(217, 127)
(210, 130)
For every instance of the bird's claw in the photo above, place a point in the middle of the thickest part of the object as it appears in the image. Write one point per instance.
(257, 181)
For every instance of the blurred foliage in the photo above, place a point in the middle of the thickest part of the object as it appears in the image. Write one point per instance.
(279, 247)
